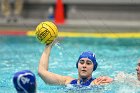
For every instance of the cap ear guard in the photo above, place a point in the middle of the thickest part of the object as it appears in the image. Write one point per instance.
(89, 55)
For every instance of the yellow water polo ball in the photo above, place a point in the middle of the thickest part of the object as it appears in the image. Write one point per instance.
(46, 32)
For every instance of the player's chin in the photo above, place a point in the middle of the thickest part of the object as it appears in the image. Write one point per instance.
(139, 78)
(83, 75)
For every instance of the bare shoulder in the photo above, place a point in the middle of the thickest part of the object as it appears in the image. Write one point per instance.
(68, 79)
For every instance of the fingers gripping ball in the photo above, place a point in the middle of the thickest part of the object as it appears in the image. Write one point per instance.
(46, 32)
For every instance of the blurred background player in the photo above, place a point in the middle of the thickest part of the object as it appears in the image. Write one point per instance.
(24, 82)
(138, 70)
(12, 9)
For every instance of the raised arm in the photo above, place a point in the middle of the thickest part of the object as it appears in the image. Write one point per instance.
(49, 77)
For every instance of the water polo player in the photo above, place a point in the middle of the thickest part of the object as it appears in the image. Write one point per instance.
(86, 65)
(138, 70)
(24, 82)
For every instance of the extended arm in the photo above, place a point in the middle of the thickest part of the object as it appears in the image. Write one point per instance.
(49, 77)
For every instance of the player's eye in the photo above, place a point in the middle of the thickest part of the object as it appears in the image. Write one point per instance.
(81, 61)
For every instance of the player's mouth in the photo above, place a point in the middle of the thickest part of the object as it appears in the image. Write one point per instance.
(83, 70)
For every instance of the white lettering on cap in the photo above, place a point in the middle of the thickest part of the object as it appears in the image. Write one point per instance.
(93, 55)
(25, 80)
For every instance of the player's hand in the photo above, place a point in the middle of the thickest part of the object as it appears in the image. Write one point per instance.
(53, 43)
(102, 80)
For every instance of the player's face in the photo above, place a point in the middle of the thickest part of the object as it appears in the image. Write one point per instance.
(138, 70)
(85, 68)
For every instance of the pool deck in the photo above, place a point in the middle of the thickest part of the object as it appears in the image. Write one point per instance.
(77, 28)
(81, 25)
(74, 34)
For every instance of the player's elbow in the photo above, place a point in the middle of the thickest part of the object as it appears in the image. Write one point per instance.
(40, 71)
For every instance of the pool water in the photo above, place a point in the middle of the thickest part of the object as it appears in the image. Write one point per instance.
(113, 56)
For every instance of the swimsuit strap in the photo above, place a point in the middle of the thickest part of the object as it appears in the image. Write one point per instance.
(87, 83)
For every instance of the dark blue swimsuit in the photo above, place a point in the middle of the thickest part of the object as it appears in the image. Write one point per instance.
(87, 83)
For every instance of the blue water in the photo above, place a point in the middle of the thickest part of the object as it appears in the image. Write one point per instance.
(113, 55)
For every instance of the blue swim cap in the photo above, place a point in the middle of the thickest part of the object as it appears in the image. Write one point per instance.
(90, 56)
(24, 82)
